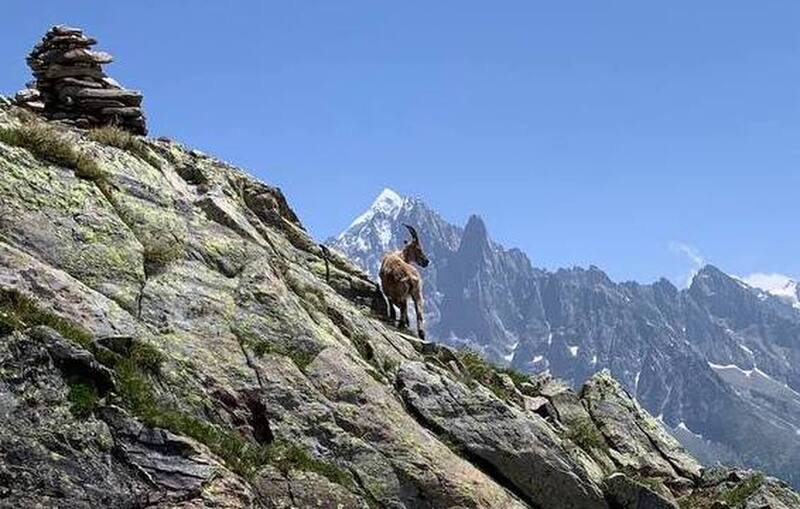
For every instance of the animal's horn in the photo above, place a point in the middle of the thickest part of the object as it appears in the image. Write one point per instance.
(412, 231)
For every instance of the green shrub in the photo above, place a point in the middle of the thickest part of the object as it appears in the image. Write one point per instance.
(19, 312)
(114, 136)
(737, 495)
(586, 435)
(83, 398)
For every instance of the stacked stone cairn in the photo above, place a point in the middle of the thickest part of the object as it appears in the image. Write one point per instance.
(71, 87)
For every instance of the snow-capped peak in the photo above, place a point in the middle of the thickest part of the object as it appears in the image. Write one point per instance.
(387, 203)
(778, 285)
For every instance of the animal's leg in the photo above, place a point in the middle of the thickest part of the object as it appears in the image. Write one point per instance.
(403, 314)
(392, 315)
(417, 297)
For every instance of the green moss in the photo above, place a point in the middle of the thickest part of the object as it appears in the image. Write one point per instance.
(390, 365)
(737, 495)
(19, 312)
(147, 356)
(585, 434)
(239, 454)
(83, 398)
(114, 136)
(301, 358)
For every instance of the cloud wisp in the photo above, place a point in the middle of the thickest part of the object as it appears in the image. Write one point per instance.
(696, 259)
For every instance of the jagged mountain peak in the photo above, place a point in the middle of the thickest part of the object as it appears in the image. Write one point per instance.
(387, 204)
(476, 237)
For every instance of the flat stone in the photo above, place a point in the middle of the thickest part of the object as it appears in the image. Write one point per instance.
(56, 71)
(72, 40)
(28, 94)
(129, 111)
(64, 30)
(77, 55)
(127, 97)
(77, 82)
(98, 104)
(110, 83)
(35, 105)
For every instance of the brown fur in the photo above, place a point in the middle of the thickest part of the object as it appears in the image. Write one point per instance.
(401, 280)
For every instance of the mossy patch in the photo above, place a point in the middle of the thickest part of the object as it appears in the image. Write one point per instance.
(83, 398)
(736, 496)
(242, 456)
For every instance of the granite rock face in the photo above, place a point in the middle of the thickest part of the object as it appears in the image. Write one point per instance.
(171, 337)
(70, 85)
(718, 362)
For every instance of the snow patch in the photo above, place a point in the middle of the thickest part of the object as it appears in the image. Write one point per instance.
(388, 203)
(594, 359)
(682, 426)
(745, 372)
(778, 285)
(510, 355)
(538, 358)
(573, 350)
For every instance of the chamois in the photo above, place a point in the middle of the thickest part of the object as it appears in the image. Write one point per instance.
(400, 280)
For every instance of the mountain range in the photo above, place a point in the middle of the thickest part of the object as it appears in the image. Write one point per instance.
(717, 362)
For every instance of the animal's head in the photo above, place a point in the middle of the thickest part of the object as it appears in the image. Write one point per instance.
(413, 249)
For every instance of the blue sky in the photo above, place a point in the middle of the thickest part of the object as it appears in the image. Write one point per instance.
(621, 134)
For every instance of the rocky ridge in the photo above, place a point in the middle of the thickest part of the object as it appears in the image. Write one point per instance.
(70, 85)
(718, 362)
(171, 337)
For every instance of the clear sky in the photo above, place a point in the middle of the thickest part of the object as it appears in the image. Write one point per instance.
(613, 133)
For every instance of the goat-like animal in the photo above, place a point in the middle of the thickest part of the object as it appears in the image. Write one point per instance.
(400, 280)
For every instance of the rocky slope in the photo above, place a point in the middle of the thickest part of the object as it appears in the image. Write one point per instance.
(171, 337)
(719, 363)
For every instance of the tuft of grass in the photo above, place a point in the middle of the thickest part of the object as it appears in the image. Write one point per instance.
(482, 371)
(19, 312)
(585, 435)
(47, 143)
(83, 398)
(26, 116)
(739, 494)
(43, 141)
(114, 136)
